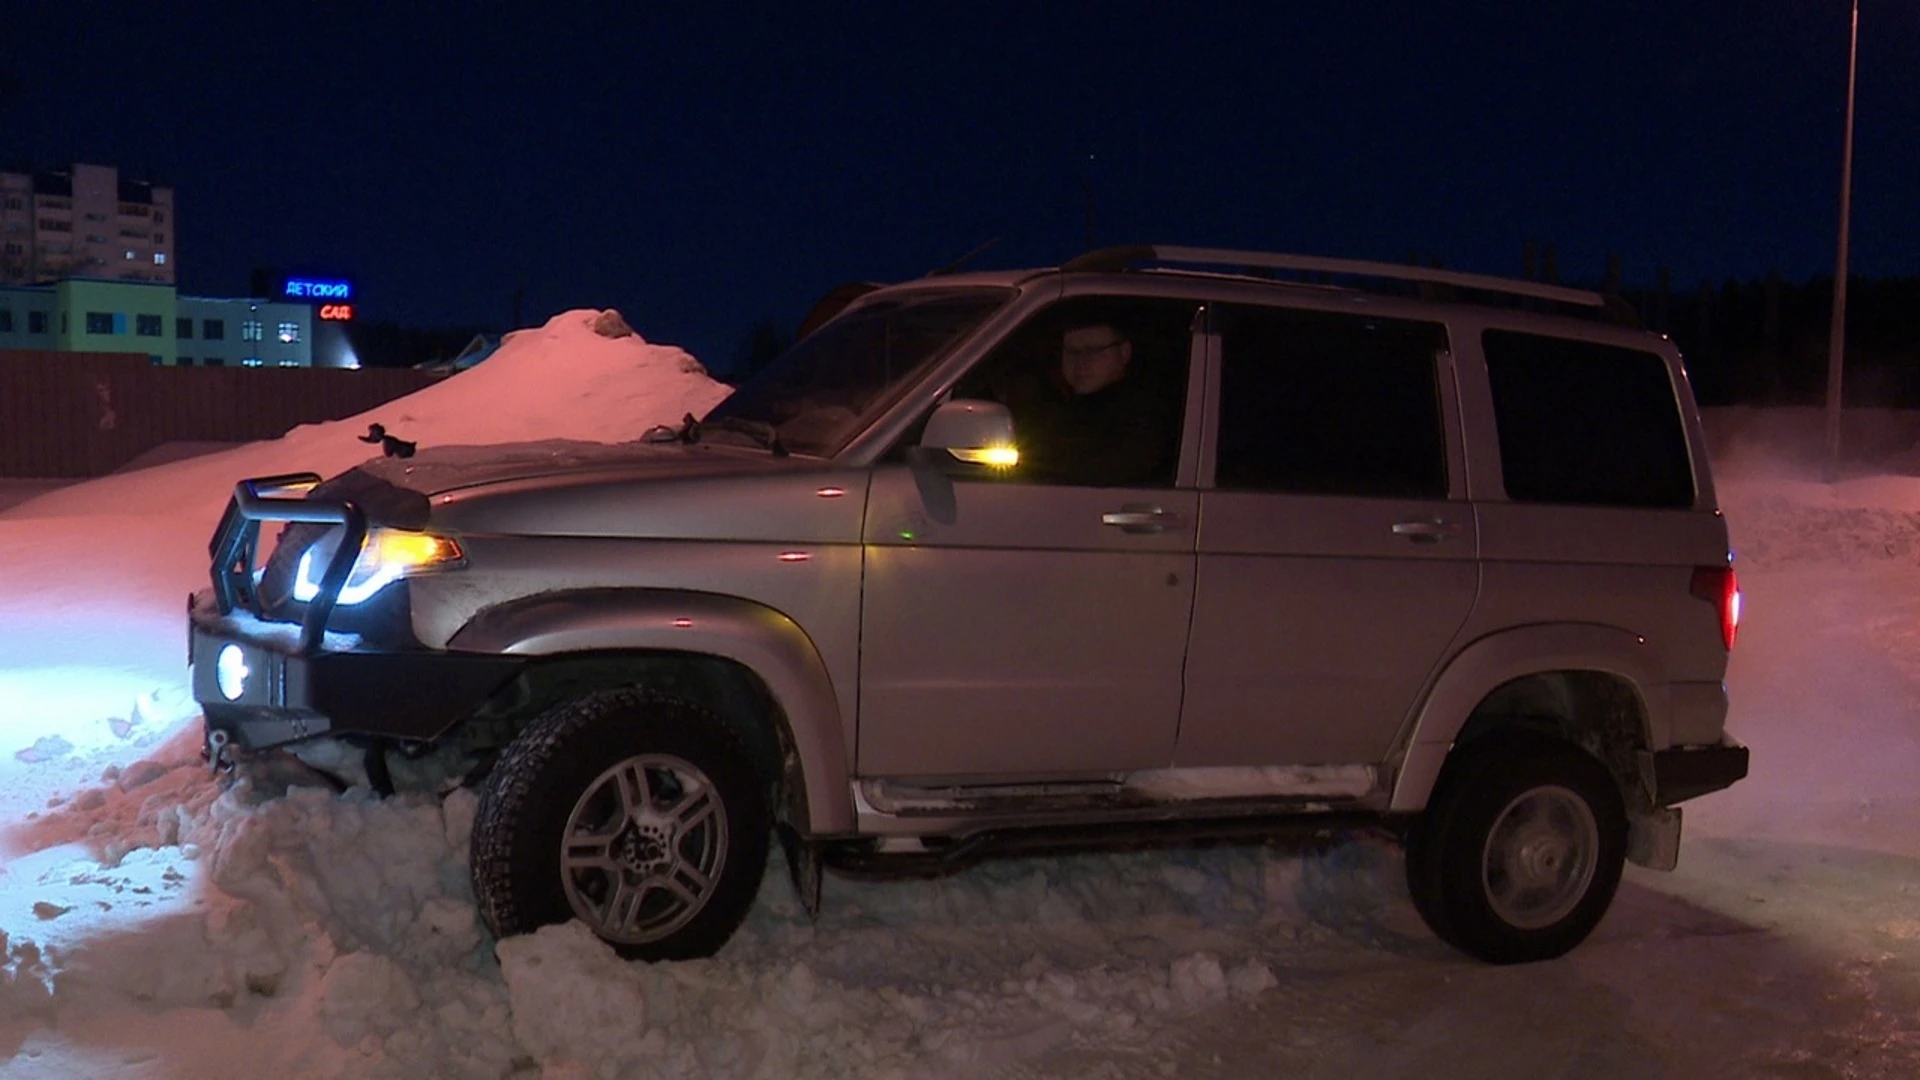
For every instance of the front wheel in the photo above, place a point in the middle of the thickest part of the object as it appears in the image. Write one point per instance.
(1520, 850)
(637, 813)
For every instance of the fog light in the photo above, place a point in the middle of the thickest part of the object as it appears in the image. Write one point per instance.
(230, 668)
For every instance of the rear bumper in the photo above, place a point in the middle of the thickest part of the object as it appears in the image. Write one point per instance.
(1687, 772)
(262, 690)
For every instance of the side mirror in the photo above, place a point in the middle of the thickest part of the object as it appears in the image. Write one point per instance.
(976, 432)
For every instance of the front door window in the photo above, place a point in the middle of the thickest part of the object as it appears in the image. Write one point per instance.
(1097, 388)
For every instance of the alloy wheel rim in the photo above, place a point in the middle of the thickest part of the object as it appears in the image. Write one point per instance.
(643, 848)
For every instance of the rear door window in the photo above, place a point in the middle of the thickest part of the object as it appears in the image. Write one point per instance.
(1330, 403)
(1583, 423)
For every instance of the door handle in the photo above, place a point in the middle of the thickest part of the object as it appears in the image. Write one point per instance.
(1423, 532)
(1135, 518)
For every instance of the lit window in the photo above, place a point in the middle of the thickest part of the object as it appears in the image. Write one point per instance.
(159, 258)
(251, 361)
(252, 330)
(130, 255)
(289, 333)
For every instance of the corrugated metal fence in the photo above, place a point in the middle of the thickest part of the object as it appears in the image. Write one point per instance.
(86, 414)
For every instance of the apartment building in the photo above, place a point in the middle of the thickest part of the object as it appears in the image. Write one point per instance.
(85, 221)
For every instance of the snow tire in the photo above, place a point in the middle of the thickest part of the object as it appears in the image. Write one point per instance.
(1520, 850)
(634, 811)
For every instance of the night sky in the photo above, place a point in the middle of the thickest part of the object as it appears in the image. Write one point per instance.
(700, 165)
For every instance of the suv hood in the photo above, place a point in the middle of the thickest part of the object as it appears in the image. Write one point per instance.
(399, 492)
(450, 468)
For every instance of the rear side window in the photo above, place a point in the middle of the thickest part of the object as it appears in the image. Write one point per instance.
(1329, 403)
(1586, 424)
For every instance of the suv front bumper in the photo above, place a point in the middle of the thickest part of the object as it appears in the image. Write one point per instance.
(261, 690)
(263, 683)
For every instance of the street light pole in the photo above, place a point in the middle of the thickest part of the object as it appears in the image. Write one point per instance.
(1837, 335)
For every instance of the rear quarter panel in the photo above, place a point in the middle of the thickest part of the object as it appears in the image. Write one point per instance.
(1557, 580)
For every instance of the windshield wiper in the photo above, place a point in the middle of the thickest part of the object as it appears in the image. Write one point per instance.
(758, 430)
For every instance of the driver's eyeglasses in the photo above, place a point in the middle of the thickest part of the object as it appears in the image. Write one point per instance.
(1072, 352)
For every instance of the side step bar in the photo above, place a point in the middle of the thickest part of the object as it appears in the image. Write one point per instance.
(868, 859)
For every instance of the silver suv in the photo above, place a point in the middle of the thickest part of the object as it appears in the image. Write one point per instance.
(1160, 543)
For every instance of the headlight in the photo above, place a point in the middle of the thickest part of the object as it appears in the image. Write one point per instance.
(386, 556)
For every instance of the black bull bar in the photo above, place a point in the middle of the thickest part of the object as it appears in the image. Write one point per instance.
(236, 545)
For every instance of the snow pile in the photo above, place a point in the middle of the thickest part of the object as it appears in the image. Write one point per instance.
(345, 925)
(579, 377)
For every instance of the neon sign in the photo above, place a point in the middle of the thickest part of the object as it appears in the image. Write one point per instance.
(336, 312)
(316, 289)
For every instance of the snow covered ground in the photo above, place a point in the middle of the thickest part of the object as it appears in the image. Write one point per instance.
(157, 924)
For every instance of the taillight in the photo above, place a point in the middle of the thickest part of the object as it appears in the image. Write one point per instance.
(1718, 585)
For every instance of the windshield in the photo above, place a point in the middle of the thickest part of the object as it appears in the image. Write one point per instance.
(831, 385)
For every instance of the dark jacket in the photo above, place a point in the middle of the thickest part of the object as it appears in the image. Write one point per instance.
(1122, 435)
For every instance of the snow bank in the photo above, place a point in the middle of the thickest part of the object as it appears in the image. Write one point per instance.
(344, 924)
(1777, 518)
(1769, 466)
(583, 376)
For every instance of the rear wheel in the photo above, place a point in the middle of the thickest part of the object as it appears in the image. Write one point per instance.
(637, 813)
(1520, 850)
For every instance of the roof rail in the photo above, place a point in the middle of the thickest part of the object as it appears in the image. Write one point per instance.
(1120, 258)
